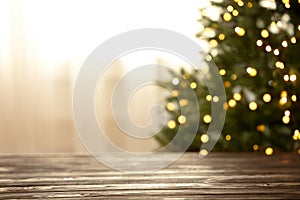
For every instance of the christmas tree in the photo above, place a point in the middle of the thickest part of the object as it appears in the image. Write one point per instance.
(255, 45)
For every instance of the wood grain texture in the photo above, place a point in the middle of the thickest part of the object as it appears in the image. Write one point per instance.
(219, 176)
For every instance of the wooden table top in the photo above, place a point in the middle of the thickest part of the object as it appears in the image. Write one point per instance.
(218, 176)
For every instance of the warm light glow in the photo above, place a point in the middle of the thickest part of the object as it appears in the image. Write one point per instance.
(221, 36)
(283, 93)
(276, 52)
(259, 43)
(215, 99)
(268, 48)
(233, 76)
(175, 81)
(204, 138)
(296, 132)
(250, 5)
(283, 100)
(240, 31)
(284, 43)
(261, 128)
(222, 72)
(269, 151)
(279, 64)
(227, 84)
(286, 119)
(171, 106)
(225, 106)
(172, 124)
(228, 137)
(227, 17)
(183, 102)
(293, 40)
(213, 43)
(237, 96)
(207, 118)
(255, 147)
(294, 98)
(232, 103)
(240, 3)
(287, 113)
(293, 77)
(229, 8)
(193, 85)
(181, 119)
(251, 71)
(235, 13)
(286, 77)
(208, 58)
(175, 93)
(253, 105)
(267, 98)
(264, 33)
(203, 152)
(208, 97)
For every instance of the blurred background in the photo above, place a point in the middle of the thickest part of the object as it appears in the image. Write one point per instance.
(254, 43)
(42, 47)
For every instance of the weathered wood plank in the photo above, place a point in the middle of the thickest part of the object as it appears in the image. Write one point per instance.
(219, 176)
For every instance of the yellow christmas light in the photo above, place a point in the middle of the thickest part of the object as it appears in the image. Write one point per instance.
(227, 84)
(298, 151)
(293, 40)
(221, 36)
(293, 77)
(261, 128)
(204, 138)
(230, 8)
(284, 43)
(203, 152)
(183, 102)
(193, 85)
(295, 137)
(294, 98)
(207, 118)
(215, 99)
(286, 119)
(233, 76)
(208, 58)
(250, 5)
(287, 113)
(264, 33)
(170, 106)
(227, 17)
(259, 43)
(283, 100)
(171, 124)
(232, 103)
(255, 147)
(228, 137)
(251, 71)
(208, 97)
(296, 133)
(240, 3)
(175, 93)
(276, 52)
(298, 27)
(235, 13)
(269, 151)
(237, 96)
(240, 31)
(268, 48)
(267, 98)
(252, 105)
(222, 72)
(286, 77)
(225, 106)
(283, 93)
(181, 119)
(279, 64)
(213, 43)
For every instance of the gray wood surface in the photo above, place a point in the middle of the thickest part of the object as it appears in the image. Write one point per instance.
(219, 176)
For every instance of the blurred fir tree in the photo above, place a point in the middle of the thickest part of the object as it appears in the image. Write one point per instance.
(255, 45)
